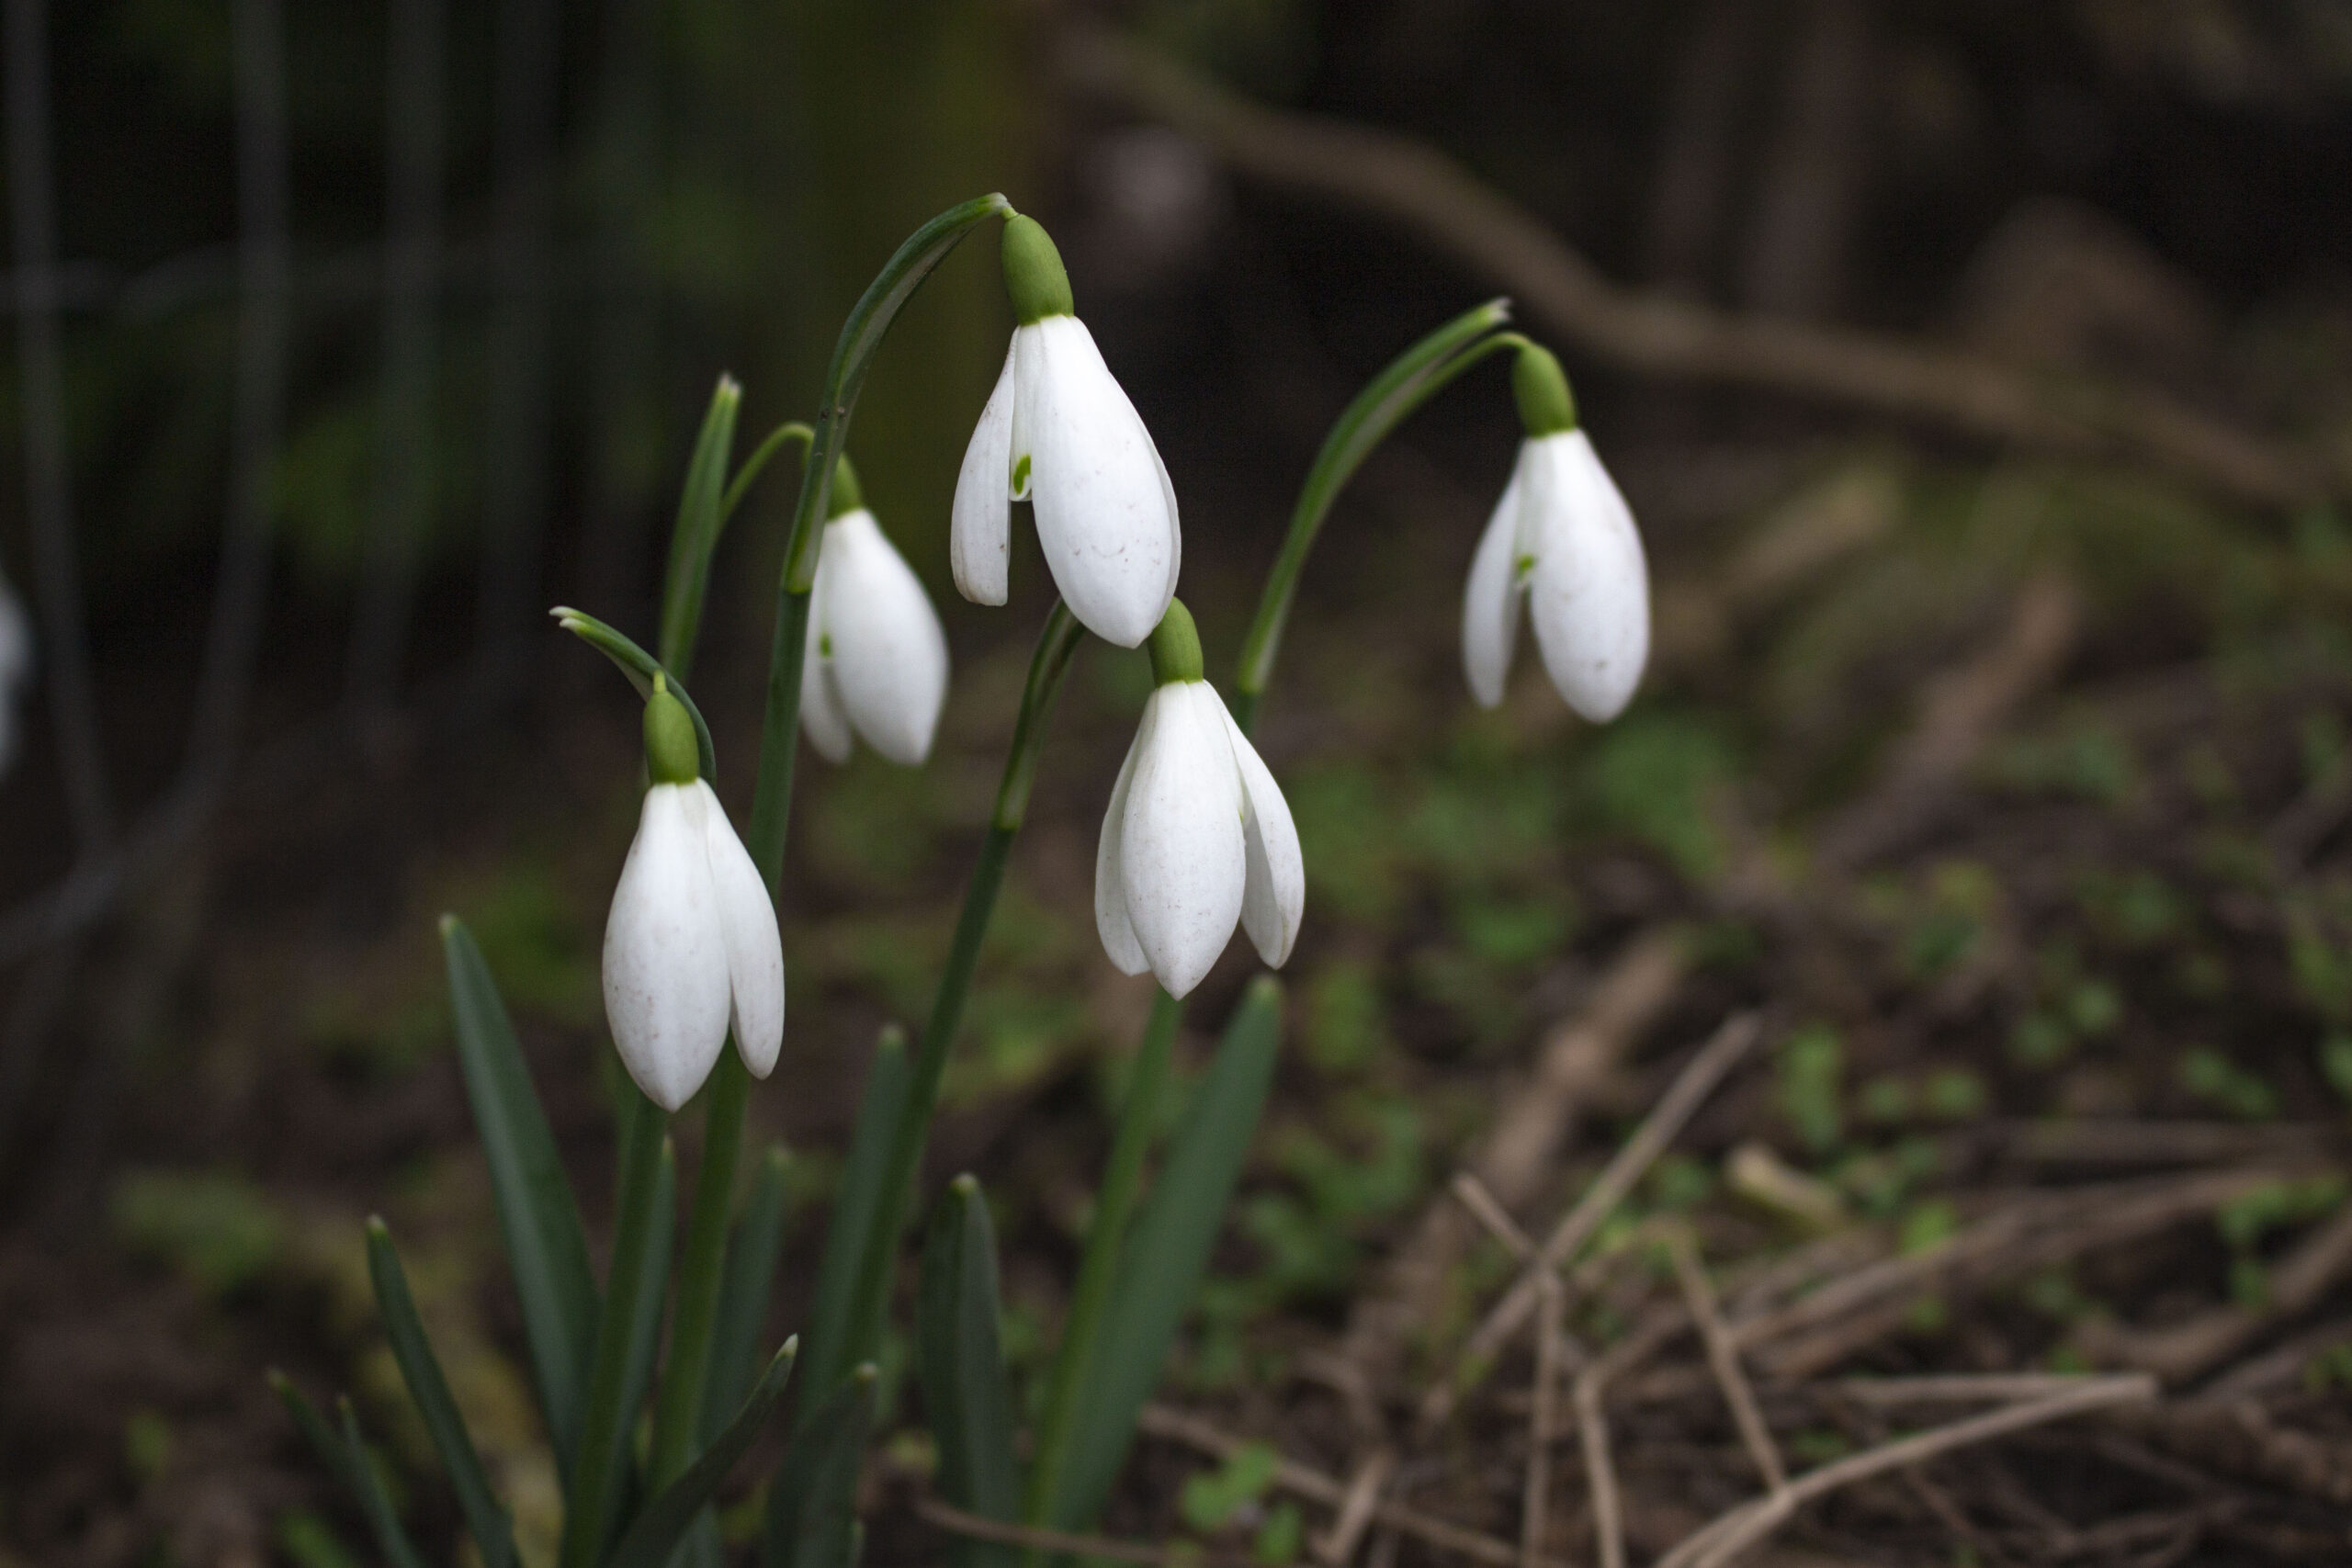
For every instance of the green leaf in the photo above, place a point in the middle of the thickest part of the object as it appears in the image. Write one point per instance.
(854, 1210)
(752, 1257)
(1168, 1253)
(537, 1218)
(358, 1471)
(486, 1519)
(653, 1293)
(608, 1418)
(658, 1530)
(812, 1502)
(960, 1348)
(696, 532)
(640, 667)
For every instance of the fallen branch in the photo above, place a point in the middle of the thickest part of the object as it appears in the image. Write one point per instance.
(1723, 1356)
(1411, 184)
(956, 1521)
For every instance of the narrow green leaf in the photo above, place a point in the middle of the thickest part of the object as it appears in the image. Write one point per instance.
(640, 667)
(960, 1347)
(812, 1502)
(653, 1295)
(486, 1519)
(1168, 1252)
(391, 1539)
(752, 1253)
(741, 485)
(830, 1330)
(696, 530)
(538, 1217)
(664, 1521)
(607, 1418)
(352, 1469)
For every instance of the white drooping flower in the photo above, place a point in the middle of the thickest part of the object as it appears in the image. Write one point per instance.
(1197, 835)
(1060, 433)
(690, 947)
(877, 664)
(1563, 540)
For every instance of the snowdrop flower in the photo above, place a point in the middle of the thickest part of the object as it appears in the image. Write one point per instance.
(691, 946)
(1562, 539)
(1197, 835)
(876, 661)
(1060, 433)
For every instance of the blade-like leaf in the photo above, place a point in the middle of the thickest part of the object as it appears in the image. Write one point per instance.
(853, 1209)
(812, 1502)
(607, 1418)
(1168, 1252)
(960, 1347)
(391, 1539)
(697, 532)
(751, 1255)
(344, 1461)
(538, 1217)
(659, 1527)
(486, 1519)
(652, 1296)
(640, 668)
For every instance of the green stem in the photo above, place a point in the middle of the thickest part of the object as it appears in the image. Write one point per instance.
(602, 1463)
(858, 1335)
(1098, 1269)
(677, 1412)
(1411, 379)
(741, 485)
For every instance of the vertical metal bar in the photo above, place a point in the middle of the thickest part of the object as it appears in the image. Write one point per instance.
(628, 330)
(515, 466)
(32, 203)
(233, 641)
(404, 477)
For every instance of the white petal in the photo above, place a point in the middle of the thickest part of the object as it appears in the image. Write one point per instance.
(1274, 898)
(821, 703)
(1490, 602)
(755, 948)
(666, 992)
(890, 654)
(1105, 513)
(1111, 922)
(1181, 858)
(980, 531)
(1589, 597)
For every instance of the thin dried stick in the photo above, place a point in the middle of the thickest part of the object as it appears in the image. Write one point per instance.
(1745, 1525)
(1600, 1471)
(1488, 1211)
(1724, 1356)
(1543, 1418)
(1717, 1057)
(1304, 1480)
(1954, 1388)
(956, 1522)
(1420, 188)
(1355, 1510)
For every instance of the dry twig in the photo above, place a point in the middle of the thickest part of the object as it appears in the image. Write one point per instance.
(957, 1522)
(1490, 1214)
(1355, 1510)
(1541, 1420)
(1600, 1470)
(1699, 1297)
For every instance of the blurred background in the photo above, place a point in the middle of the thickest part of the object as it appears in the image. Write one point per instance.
(1979, 371)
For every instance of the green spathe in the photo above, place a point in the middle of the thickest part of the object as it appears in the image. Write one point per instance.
(1546, 405)
(1175, 646)
(670, 754)
(1034, 278)
(845, 496)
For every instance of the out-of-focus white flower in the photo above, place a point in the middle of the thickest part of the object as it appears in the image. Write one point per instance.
(1197, 835)
(1060, 433)
(1563, 540)
(690, 947)
(16, 668)
(877, 664)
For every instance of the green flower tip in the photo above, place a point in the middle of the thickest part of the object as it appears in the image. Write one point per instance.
(1175, 646)
(672, 754)
(1546, 405)
(1033, 272)
(845, 495)
(377, 1229)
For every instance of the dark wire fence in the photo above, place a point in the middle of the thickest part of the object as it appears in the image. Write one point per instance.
(48, 934)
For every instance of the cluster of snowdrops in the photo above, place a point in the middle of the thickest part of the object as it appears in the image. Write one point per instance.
(1196, 840)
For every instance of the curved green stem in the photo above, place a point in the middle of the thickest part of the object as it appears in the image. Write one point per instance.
(834, 1347)
(677, 1410)
(741, 485)
(853, 354)
(1410, 380)
(1098, 1271)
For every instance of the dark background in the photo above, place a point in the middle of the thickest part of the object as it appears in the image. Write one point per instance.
(221, 1037)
